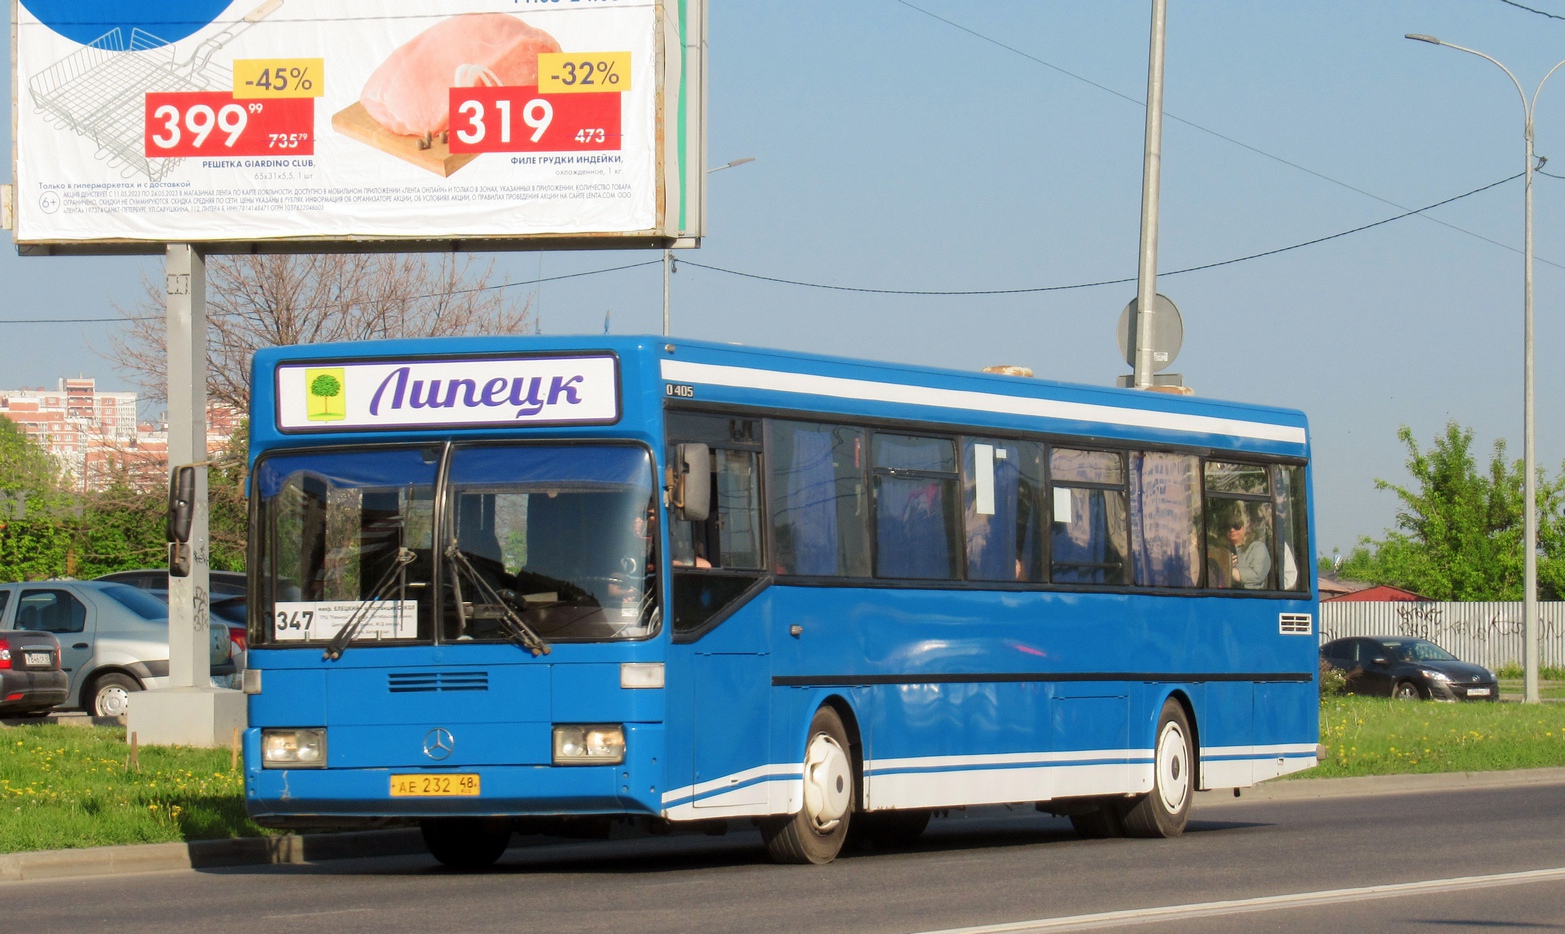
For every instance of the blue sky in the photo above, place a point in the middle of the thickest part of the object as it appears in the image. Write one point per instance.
(896, 151)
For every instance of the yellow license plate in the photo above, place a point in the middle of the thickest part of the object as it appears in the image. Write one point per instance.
(434, 786)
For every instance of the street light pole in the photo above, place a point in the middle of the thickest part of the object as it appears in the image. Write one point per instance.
(668, 253)
(1529, 481)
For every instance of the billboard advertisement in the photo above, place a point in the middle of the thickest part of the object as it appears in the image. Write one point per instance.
(292, 122)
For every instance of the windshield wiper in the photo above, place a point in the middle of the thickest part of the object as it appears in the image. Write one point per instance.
(396, 574)
(520, 633)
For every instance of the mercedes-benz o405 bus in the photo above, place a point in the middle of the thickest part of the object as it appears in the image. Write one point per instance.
(526, 583)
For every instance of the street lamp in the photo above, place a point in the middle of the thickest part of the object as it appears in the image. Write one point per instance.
(668, 254)
(1529, 482)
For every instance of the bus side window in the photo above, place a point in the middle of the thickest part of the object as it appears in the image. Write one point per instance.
(1239, 525)
(1292, 536)
(1165, 514)
(915, 508)
(1002, 483)
(1087, 503)
(730, 537)
(818, 499)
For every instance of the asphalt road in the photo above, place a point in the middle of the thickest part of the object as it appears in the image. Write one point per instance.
(1362, 859)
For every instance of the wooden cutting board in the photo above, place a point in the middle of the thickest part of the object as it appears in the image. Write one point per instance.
(356, 123)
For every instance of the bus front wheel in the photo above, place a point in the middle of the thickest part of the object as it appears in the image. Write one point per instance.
(816, 833)
(466, 842)
(1165, 811)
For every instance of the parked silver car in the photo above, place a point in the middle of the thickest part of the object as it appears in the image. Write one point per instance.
(113, 639)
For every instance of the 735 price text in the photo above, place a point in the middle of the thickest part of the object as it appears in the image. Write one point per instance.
(208, 123)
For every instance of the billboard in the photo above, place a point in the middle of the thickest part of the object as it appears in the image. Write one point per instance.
(289, 124)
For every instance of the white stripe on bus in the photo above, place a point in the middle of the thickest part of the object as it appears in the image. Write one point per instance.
(682, 371)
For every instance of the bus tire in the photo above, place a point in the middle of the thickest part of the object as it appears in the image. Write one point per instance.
(816, 834)
(1100, 822)
(1166, 809)
(466, 843)
(889, 828)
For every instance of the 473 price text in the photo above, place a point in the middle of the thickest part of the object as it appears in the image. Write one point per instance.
(208, 123)
(519, 119)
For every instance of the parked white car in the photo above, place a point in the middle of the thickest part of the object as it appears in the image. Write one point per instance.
(113, 639)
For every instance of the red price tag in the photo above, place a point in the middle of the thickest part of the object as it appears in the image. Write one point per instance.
(212, 123)
(519, 119)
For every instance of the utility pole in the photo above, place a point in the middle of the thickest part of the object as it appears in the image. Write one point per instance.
(1151, 171)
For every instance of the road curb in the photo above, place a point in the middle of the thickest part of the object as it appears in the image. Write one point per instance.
(297, 849)
(207, 854)
(1370, 785)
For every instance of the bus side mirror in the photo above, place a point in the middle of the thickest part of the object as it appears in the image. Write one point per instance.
(693, 482)
(181, 513)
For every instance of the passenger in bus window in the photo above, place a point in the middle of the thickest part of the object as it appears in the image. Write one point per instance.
(1251, 560)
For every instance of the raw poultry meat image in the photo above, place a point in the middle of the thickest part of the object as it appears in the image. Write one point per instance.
(409, 93)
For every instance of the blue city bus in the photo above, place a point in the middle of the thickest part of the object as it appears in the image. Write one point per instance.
(558, 584)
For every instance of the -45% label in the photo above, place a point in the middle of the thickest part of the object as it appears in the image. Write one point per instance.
(519, 119)
(213, 123)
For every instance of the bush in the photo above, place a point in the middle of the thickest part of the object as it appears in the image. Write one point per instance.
(1514, 672)
(1333, 681)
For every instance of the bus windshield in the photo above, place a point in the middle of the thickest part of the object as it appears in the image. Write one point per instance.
(535, 543)
(560, 535)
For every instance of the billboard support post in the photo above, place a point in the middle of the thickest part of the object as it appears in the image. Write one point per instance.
(189, 711)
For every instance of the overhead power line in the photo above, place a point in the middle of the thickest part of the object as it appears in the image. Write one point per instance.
(1531, 10)
(913, 292)
(337, 305)
(1207, 130)
(1089, 285)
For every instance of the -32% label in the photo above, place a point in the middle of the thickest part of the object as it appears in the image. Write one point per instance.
(212, 123)
(519, 119)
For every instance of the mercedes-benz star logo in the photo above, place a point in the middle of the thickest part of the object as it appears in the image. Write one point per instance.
(438, 743)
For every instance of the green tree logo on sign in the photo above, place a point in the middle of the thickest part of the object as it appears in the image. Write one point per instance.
(327, 402)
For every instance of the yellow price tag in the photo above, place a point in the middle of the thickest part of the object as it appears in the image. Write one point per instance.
(279, 77)
(583, 72)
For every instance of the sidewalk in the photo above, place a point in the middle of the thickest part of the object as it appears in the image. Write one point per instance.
(313, 848)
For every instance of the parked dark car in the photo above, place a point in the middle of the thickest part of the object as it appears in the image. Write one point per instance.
(31, 682)
(221, 583)
(1408, 668)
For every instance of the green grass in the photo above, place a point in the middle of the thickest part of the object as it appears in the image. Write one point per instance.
(69, 786)
(1377, 736)
(1548, 690)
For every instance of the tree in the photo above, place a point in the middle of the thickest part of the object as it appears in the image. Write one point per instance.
(1459, 531)
(268, 301)
(33, 540)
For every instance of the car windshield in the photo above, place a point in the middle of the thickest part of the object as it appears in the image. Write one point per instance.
(1417, 650)
(553, 540)
(139, 602)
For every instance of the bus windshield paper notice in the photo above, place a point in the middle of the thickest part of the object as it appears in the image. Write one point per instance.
(454, 393)
(316, 622)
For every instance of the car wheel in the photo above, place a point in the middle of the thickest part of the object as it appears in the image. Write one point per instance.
(817, 832)
(1406, 690)
(466, 843)
(1166, 809)
(110, 694)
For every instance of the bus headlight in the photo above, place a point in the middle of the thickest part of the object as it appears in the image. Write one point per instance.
(293, 749)
(589, 745)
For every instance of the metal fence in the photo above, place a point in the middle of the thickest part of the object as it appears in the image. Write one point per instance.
(1487, 633)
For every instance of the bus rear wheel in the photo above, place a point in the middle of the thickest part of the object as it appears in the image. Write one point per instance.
(817, 832)
(466, 843)
(1166, 810)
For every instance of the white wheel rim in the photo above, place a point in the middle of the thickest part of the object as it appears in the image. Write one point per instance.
(828, 783)
(1173, 767)
(113, 701)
